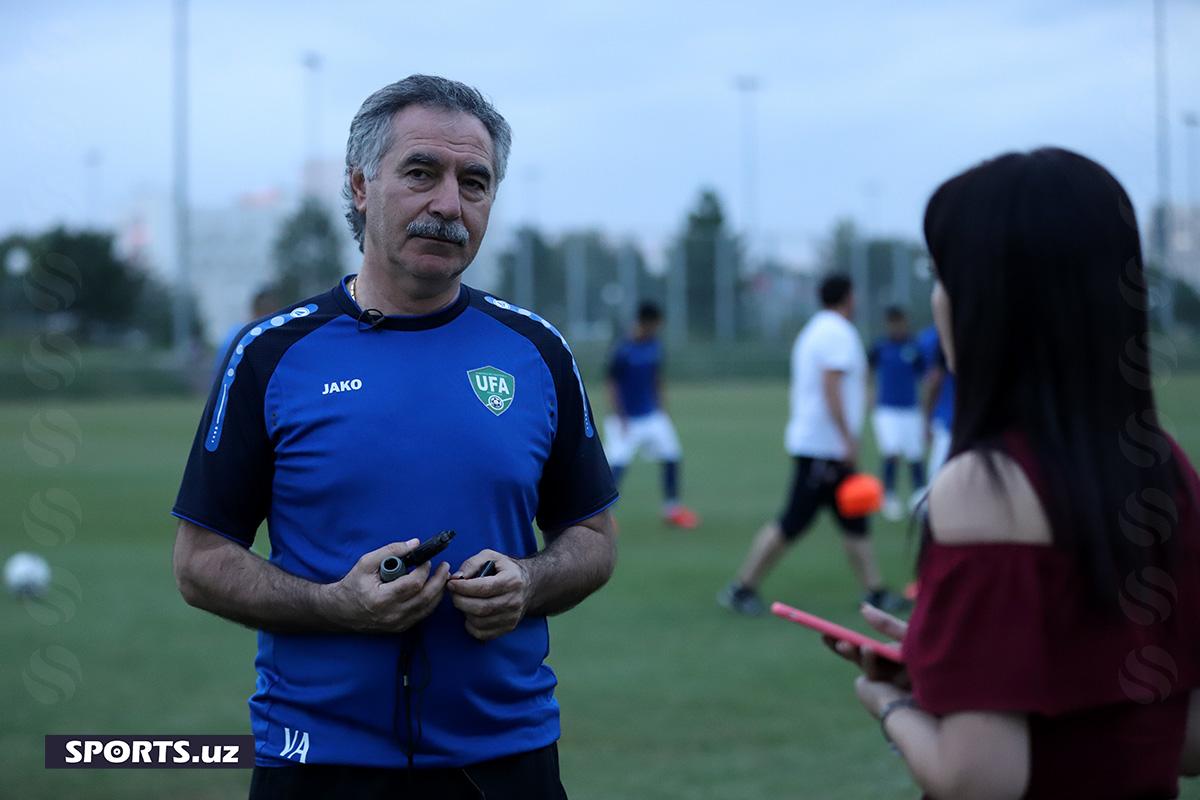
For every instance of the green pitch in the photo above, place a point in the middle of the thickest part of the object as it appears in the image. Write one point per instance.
(664, 695)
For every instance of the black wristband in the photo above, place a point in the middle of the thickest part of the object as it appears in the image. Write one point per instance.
(894, 705)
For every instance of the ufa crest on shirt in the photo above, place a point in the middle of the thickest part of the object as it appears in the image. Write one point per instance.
(495, 388)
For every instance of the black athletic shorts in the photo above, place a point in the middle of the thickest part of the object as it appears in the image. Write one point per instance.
(525, 776)
(814, 484)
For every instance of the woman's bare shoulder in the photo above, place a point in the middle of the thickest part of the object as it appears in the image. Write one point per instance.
(970, 505)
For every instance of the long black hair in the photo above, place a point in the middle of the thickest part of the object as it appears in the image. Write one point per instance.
(1040, 256)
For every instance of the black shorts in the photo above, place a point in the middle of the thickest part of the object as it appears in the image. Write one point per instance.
(814, 484)
(525, 776)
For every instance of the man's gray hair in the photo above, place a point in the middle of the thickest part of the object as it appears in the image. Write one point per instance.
(371, 129)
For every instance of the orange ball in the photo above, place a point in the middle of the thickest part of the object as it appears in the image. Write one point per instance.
(859, 494)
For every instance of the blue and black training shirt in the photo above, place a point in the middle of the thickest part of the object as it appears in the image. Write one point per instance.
(345, 436)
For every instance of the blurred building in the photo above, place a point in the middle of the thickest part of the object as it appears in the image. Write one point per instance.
(232, 256)
(778, 298)
(144, 232)
(232, 246)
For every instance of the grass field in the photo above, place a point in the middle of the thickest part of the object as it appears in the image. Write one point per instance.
(663, 694)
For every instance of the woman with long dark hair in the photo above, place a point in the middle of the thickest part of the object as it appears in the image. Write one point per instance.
(1054, 651)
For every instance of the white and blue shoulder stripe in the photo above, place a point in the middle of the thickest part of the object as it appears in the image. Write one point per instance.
(588, 429)
(218, 419)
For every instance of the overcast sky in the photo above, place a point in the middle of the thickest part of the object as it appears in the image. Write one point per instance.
(621, 110)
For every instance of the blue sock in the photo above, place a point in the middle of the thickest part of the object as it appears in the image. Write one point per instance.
(670, 479)
(889, 475)
(917, 470)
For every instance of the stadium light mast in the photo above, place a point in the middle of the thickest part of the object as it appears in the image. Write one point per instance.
(1191, 122)
(725, 307)
(182, 316)
(1162, 244)
(311, 62)
(747, 86)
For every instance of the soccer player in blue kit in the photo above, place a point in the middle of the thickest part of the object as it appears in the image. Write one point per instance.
(939, 399)
(897, 364)
(638, 420)
(357, 422)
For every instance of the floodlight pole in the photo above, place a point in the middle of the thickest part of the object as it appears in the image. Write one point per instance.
(726, 259)
(1191, 122)
(1163, 232)
(311, 61)
(182, 312)
(747, 86)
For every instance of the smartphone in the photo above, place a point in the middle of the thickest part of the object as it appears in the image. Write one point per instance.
(392, 567)
(888, 651)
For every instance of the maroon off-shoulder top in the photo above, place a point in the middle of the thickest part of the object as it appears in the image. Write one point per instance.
(1010, 627)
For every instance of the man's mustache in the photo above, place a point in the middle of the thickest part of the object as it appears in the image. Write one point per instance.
(451, 231)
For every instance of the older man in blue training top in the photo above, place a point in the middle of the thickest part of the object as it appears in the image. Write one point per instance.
(453, 410)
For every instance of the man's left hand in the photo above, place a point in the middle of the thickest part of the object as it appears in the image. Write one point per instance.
(494, 605)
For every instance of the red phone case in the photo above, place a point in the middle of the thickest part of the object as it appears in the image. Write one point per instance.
(784, 611)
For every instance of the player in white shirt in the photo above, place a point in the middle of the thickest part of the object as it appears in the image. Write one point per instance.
(828, 398)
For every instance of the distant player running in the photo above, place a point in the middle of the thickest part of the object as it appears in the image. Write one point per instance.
(897, 363)
(639, 422)
(828, 399)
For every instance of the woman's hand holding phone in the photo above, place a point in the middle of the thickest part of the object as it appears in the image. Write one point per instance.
(874, 666)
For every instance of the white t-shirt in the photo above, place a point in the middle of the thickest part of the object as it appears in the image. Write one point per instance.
(828, 342)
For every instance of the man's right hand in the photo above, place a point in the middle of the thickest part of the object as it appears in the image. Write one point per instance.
(361, 602)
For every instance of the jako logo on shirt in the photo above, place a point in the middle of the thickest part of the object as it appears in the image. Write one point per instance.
(342, 386)
(495, 388)
(295, 745)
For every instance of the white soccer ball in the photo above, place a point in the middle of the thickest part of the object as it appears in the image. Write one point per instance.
(26, 575)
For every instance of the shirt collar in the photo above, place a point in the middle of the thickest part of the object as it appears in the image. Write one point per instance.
(400, 322)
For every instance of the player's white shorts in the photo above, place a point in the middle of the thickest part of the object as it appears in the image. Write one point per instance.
(938, 449)
(653, 435)
(899, 432)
